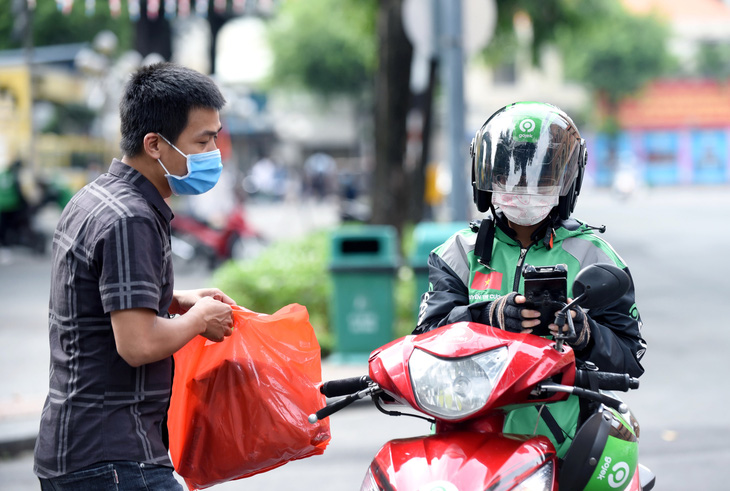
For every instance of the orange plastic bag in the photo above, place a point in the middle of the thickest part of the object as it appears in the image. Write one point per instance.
(240, 407)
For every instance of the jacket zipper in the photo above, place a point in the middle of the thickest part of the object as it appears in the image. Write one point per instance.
(518, 271)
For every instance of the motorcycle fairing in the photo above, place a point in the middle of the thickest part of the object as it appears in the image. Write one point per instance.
(530, 355)
(466, 459)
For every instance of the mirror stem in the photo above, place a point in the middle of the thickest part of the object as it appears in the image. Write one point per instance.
(560, 320)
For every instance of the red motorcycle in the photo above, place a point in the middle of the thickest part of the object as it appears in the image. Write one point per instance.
(465, 377)
(193, 238)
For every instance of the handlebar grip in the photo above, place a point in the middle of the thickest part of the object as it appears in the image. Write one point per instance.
(605, 380)
(344, 386)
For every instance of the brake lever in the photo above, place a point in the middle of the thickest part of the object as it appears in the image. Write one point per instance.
(607, 400)
(560, 320)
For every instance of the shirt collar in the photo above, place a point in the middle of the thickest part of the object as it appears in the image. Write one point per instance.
(148, 190)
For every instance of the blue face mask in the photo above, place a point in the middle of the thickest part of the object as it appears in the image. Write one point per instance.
(204, 169)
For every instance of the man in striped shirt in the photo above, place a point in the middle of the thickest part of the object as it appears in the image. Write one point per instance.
(113, 311)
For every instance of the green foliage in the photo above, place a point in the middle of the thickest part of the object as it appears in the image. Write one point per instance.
(616, 54)
(51, 26)
(287, 272)
(547, 19)
(326, 46)
(713, 61)
(610, 51)
(405, 302)
(297, 272)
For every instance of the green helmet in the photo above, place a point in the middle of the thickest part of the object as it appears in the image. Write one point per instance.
(528, 148)
(604, 454)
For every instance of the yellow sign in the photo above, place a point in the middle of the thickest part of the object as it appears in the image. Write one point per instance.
(15, 113)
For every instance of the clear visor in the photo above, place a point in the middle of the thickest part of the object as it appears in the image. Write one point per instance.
(526, 156)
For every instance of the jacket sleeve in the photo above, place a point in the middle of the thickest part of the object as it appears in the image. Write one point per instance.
(616, 344)
(447, 300)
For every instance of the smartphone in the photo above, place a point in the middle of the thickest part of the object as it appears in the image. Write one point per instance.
(546, 290)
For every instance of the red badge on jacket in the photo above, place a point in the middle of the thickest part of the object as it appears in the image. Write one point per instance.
(491, 281)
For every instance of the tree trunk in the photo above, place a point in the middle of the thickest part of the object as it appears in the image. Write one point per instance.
(422, 102)
(391, 188)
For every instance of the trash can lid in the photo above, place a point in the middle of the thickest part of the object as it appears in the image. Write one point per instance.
(427, 236)
(364, 246)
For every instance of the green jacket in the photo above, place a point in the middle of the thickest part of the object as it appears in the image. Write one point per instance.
(461, 287)
(462, 284)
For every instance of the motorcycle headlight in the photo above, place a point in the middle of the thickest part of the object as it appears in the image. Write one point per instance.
(540, 480)
(453, 388)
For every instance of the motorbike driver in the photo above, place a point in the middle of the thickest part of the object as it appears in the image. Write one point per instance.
(528, 161)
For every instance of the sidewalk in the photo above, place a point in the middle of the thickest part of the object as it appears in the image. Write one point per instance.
(19, 417)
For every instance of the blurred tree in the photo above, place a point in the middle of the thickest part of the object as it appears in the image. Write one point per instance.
(615, 55)
(51, 26)
(324, 46)
(713, 61)
(331, 46)
(546, 20)
(351, 46)
(392, 180)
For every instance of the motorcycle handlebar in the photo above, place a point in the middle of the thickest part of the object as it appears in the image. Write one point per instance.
(340, 404)
(605, 380)
(345, 386)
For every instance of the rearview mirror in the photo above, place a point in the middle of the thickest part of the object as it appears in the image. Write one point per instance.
(600, 284)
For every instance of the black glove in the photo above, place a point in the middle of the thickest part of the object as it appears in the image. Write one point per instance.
(505, 314)
(582, 330)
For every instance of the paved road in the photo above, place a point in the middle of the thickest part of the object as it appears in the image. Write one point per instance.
(673, 240)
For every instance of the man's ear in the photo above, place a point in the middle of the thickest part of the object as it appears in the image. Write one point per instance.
(152, 143)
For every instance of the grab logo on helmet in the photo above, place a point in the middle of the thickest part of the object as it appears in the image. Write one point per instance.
(527, 125)
(527, 129)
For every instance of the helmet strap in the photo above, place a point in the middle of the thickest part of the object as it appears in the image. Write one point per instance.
(485, 240)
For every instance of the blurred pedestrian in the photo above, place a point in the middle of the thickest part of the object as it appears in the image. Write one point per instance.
(320, 170)
(113, 313)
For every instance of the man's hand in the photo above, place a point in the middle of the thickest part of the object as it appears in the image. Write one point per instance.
(215, 315)
(507, 313)
(141, 337)
(183, 300)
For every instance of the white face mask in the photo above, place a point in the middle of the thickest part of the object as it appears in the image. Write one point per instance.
(524, 209)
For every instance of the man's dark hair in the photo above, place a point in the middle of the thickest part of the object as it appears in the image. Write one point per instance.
(158, 98)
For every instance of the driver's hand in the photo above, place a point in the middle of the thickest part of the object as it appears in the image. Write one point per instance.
(581, 326)
(508, 313)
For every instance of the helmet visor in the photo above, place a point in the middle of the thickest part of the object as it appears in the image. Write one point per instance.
(521, 152)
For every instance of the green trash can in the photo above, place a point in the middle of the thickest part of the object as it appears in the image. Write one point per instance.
(363, 268)
(427, 236)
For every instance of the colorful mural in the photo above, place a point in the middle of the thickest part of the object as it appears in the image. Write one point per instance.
(674, 132)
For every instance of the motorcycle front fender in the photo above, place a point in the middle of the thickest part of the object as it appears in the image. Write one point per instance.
(463, 460)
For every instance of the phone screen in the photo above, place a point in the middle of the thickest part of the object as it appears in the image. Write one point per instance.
(546, 290)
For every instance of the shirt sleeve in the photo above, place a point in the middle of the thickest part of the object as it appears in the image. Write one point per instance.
(131, 255)
(447, 301)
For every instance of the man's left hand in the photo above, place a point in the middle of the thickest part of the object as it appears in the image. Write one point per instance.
(183, 300)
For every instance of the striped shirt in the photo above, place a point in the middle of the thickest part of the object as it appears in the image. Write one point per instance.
(111, 251)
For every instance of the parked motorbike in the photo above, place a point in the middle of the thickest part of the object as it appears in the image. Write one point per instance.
(465, 377)
(193, 238)
(18, 225)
